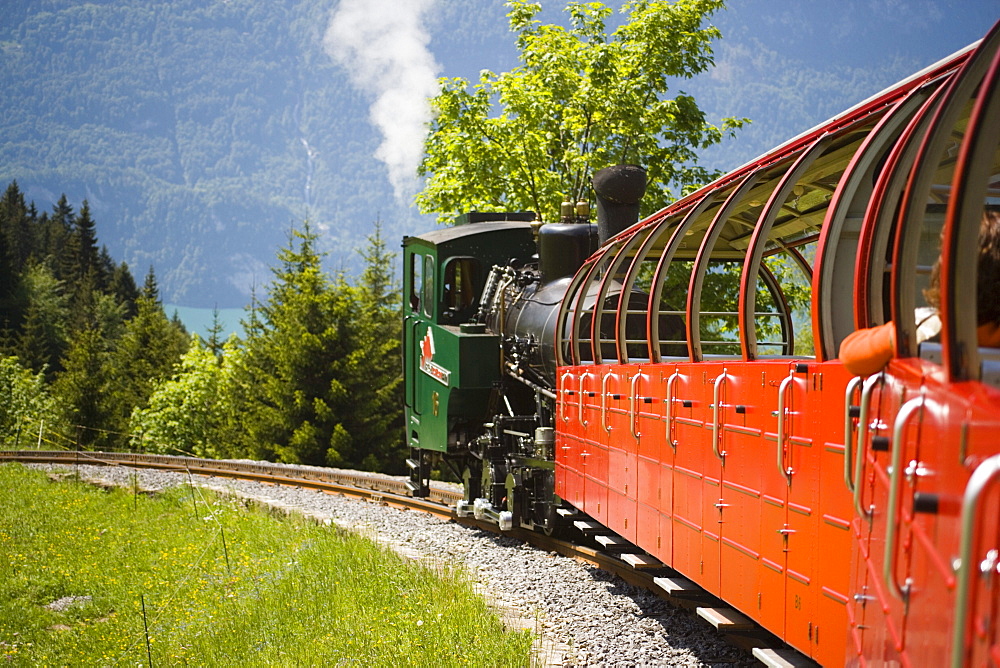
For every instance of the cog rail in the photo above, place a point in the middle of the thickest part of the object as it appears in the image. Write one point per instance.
(357, 484)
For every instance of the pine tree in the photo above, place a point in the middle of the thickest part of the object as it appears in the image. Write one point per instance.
(148, 352)
(296, 361)
(82, 249)
(215, 341)
(83, 388)
(56, 233)
(150, 288)
(377, 420)
(124, 289)
(43, 336)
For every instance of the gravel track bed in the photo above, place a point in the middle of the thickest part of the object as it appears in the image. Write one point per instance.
(584, 616)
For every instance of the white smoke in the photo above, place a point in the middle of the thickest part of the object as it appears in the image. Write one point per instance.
(383, 45)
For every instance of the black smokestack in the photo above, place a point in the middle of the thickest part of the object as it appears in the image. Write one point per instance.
(619, 190)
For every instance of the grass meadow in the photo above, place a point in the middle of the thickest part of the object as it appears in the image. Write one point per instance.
(221, 584)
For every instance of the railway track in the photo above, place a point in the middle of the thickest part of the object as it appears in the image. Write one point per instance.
(597, 546)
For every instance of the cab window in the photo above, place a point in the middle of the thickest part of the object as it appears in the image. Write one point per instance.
(428, 286)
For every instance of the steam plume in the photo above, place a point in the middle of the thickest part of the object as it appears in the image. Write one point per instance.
(383, 45)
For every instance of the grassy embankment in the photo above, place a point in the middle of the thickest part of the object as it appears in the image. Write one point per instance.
(222, 585)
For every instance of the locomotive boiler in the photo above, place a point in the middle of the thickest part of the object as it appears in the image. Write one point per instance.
(676, 380)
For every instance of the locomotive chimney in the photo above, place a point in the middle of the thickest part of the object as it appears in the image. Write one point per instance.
(619, 190)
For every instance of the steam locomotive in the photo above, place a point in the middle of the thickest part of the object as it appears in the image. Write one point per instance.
(676, 379)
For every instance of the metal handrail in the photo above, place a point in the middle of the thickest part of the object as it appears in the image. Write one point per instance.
(579, 417)
(852, 387)
(984, 475)
(786, 472)
(632, 400)
(716, 391)
(671, 381)
(866, 400)
(913, 407)
(566, 391)
(604, 399)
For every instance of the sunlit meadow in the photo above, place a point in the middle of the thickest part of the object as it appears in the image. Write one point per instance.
(221, 584)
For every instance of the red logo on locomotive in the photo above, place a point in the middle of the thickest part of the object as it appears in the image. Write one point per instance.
(427, 364)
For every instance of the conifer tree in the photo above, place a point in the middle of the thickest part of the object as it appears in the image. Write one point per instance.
(124, 289)
(150, 288)
(215, 341)
(83, 388)
(377, 420)
(43, 334)
(149, 351)
(297, 358)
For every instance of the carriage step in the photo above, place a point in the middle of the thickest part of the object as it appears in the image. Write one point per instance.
(782, 658)
(567, 512)
(641, 561)
(588, 526)
(679, 587)
(726, 619)
(613, 542)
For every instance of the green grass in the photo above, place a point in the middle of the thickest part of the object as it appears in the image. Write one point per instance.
(293, 592)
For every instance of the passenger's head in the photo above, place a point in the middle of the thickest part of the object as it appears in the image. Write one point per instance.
(987, 272)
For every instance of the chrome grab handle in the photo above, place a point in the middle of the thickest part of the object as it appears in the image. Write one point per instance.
(782, 389)
(604, 400)
(583, 423)
(631, 405)
(716, 391)
(913, 407)
(984, 475)
(565, 391)
(671, 381)
(859, 451)
(852, 387)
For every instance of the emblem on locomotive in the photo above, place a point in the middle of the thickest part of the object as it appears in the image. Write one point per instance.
(427, 363)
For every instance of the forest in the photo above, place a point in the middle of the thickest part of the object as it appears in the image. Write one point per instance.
(199, 131)
(90, 360)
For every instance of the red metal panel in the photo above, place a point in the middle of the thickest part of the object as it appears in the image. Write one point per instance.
(834, 514)
(712, 502)
(742, 415)
(930, 540)
(801, 459)
(646, 426)
(689, 464)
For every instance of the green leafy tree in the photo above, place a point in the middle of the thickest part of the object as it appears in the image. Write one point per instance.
(187, 413)
(580, 100)
(28, 406)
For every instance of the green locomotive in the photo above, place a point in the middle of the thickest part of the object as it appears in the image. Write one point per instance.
(481, 300)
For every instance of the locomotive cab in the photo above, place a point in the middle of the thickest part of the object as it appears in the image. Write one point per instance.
(450, 364)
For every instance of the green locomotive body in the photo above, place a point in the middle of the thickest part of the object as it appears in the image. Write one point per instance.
(451, 362)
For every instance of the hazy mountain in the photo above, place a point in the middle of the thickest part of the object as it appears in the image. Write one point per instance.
(200, 131)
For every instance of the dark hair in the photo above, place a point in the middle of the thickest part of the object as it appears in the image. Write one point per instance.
(987, 272)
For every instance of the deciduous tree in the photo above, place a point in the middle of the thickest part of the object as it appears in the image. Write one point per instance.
(581, 99)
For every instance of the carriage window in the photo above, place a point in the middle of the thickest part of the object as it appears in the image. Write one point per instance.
(567, 317)
(428, 286)
(416, 279)
(459, 285)
(672, 313)
(633, 326)
(639, 284)
(586, 308)
(783, 317)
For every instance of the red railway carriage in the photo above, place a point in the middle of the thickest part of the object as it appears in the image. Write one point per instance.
(702, 413)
